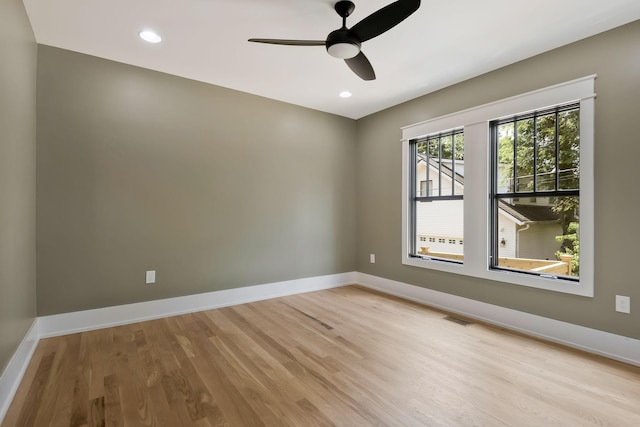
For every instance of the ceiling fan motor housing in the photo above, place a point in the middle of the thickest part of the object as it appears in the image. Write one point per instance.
(342, 44)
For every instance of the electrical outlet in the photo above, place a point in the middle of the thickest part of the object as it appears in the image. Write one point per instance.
(623, 304)
(151, 277)
(372, 258)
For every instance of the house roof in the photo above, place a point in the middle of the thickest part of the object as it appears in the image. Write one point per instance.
(528, 213)
(446, 169)
(520, 212)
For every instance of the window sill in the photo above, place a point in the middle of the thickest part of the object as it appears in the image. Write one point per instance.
(582, 288)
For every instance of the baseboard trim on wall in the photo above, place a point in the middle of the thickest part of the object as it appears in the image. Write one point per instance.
(602, 343)
(80, 321)
(12, 375)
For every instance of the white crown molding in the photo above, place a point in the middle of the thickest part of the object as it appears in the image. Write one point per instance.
(12, 375)
(594, 341)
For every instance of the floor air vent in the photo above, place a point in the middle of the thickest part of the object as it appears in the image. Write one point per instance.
(458, 321)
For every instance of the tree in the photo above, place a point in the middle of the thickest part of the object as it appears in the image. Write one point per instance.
(575, 247)
(432, 146)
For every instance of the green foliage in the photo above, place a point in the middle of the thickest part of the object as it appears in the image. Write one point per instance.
(572, 237)
(448, 144)
(539, 137)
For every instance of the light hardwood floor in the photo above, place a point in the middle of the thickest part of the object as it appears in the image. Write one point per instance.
(346, 357)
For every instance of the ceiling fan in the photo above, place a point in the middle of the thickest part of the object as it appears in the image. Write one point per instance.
(345, 42)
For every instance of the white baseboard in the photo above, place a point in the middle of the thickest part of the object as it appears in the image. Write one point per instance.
(79, 321)
(602, 343)
(12, 375)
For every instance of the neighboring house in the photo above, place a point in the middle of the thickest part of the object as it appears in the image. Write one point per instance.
(527, 229)
(439, 224)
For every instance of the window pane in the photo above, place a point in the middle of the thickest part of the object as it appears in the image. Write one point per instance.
(440, 223)
(459, 164)
(540, 236)
(421, 169)
(524, 159)
(505, 158)
(445, 181)
(546, 153)
(434, 155)
(569, 145)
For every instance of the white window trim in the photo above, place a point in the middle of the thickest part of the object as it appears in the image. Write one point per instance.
(477, 205)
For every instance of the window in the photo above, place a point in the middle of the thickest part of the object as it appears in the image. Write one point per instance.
(535, 194)
(521, 170)
(426, 188)
(437, 166)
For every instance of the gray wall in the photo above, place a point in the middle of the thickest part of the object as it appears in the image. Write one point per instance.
(615, 57)
(213, 188)
(17, 177)
(218, 189)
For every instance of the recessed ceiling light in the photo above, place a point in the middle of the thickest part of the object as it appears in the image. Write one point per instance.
(150, 36)
(345, 94)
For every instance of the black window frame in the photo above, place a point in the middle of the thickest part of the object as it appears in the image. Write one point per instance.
(496, 196)
(413, 189)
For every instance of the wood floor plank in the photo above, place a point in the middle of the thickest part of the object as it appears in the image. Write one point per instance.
(185, 388)
(133, 396)
(32, 401)
(57, 399)
(257, 367)
(341, 357)
(221, 390)
(112, 407)
(64, 396)
(96, 412)
(305, 376)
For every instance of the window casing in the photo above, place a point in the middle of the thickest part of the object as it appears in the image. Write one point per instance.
(479, 240)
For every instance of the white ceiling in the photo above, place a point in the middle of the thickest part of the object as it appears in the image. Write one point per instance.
(444, 42)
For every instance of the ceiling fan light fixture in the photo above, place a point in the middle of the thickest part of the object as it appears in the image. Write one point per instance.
(342, 44)
(343, 50)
